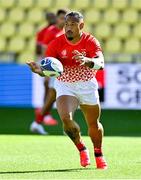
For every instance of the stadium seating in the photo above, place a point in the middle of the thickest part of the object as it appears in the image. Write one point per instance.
(113, 45)
(31, 45)
(132, 45)
(26, 30)
(136, 4)
(83, 4)
(43, 4)
(16, 15)
(102, 31)
(2, 15)
(130, 16)
(25, 4)
(116, 23)
(137, 31)
(122, 31)
(62, 4)
(92, 16)
(2, 44)
(100, 4)
(111, 16)
(7, 4)
(7, 30)
(120, 4)
(24, 56)
(16, 44)
(35, 15)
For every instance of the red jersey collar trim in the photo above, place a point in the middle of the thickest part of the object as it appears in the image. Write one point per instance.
(75, 43)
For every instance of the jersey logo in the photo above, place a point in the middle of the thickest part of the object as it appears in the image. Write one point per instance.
(64, 53)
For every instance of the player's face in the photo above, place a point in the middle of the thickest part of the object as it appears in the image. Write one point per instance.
(61, 20)
(72, 28)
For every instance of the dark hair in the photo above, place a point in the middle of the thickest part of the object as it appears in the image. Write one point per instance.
(48, 14)
(75, 14)
(61, 11)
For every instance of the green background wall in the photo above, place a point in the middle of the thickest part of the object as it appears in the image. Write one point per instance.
(115, 122)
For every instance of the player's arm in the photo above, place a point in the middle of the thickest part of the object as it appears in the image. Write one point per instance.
(51, 51)
(96, 62)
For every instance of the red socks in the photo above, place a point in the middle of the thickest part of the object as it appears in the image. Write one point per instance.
(98, 152)
(81, 146)
(38, 116)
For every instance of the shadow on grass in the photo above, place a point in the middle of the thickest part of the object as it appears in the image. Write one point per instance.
(51, 170)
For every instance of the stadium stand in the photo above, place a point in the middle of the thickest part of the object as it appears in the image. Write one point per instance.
(111, 16)
(16, 45)
(2, 45)
(24, 56)
(2, 15)
(16, 15)
(26, 30)
(113, 22)
(35, 15)
(120, 4)
(25, 4)
(122, 31)
(130, 16)
(113, 45)
(44, 5)
(102, 30)
(136, 4)
(132, 45)
(7, 4)
(137, 31)
(84, 4)
(100, 5)
(63, 3)
(7, 29)
(92, 13)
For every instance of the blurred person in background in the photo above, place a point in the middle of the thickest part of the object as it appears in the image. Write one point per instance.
(77, 85)
(50, 20)
(44, 37)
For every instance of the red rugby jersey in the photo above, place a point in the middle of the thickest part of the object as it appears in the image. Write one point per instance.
(51, 33)
(40, 35)
(62, 49)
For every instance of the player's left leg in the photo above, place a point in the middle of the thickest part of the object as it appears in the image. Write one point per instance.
(66, 106)
(95, 130)
(50, 99)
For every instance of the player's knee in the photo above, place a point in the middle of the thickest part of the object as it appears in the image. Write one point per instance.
(66, 119)
(94, 125)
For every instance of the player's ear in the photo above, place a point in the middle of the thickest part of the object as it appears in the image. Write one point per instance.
(81, 25)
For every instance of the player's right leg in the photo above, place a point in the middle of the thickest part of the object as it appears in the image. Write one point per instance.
(66, 106)
(36, 126)
(42, 115)
(50, 98)
(95, 130)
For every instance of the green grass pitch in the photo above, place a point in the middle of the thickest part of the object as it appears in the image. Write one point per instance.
(55, 157)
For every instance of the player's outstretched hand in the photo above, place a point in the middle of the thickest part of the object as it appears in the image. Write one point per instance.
(35, 67)
(79, 57)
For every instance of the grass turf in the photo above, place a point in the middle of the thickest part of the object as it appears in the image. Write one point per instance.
(55, 157)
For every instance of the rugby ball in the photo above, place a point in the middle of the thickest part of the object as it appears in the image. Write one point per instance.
(51, 67)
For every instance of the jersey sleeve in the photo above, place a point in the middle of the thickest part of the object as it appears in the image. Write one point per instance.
(40, 35)
(51, 50)
(48, 37)
(93, 47)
